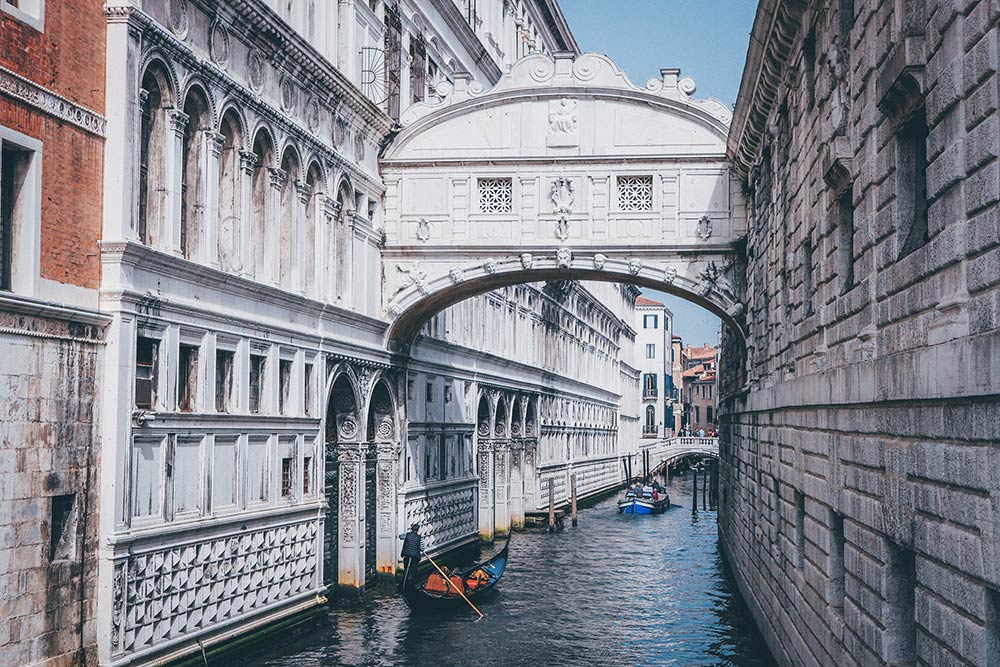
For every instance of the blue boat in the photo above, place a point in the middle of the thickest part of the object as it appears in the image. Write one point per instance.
(649, 502)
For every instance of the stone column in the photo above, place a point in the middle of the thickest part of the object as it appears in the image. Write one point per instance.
(248, 162)
(351, 461)
(210, 232)
(272, 224)
(517, 483)
(501, 468)
(530, 474)
(486, 501)
(387, 454)
(173, 177)
(327, 271)
(298, 237)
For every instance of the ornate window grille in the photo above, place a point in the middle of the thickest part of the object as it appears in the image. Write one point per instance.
(635, 193)
(496, 195)
(418, 69)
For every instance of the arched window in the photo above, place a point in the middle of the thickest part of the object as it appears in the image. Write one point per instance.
(650, 417)
(289, 202)
(229, 193)
(264, 158)
(153, 98)
(342, 240)
(192, 188)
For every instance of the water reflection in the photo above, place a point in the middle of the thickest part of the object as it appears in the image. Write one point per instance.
(616, 590)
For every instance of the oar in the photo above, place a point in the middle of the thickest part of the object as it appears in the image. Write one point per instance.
(448, 579)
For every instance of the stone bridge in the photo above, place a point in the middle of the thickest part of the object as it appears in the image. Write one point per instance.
(563, 170)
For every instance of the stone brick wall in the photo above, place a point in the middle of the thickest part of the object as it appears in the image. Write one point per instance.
(860, 479)
(48, 499)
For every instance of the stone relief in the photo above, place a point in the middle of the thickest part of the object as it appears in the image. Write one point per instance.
(490, 266)
(289, 94)
(339, 133)
(359, 146)
(417, 278)
(704, 228)
(423, 230)
(312, 115)
(178, 14)
(634, 265)
(256, 69)
(600, 259)
(669, 275)
(564, 257)
(563, 125)
(562, 197)
(219, 45)
(456, 274)
(527, 260)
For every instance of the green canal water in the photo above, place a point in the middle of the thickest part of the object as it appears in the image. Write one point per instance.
(615, 590)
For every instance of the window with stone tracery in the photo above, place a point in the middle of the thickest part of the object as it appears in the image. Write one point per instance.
(635, 193)
(496, 195)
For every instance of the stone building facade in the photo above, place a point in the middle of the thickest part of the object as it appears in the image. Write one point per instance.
(51, 333)
(653, 350)
(860, 481)
(699, 389)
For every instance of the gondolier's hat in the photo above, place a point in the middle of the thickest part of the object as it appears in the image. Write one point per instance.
(415, 525)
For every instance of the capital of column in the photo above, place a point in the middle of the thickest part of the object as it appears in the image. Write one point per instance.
(485, 445)
(248, 161)
(350, 452)
(302, 189)
(278, 177)
(388, 451)
(178, 121)
(143, 100)
(215, 142)
(501, 446)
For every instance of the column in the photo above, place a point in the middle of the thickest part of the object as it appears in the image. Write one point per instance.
(210, 235)
(248, 162)
(350, 543)
(174, 167)
(298, 237)
(327, 281)
(486, 501)
(501, 468)
(531, 474)
(387, 455)
(272, 224)
(517, 483)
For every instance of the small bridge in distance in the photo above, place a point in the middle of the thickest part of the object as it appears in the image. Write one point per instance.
(665, 452)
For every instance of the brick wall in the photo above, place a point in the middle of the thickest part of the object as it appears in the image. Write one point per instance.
(860, 477)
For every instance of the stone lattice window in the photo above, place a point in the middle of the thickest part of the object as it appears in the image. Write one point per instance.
(635, 193)
(496, 195)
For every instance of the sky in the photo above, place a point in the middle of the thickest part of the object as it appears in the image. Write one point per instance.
(706, 39)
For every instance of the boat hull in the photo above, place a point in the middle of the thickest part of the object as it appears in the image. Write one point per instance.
(643, 506)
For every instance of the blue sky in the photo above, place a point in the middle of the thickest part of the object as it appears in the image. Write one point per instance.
(706, 39)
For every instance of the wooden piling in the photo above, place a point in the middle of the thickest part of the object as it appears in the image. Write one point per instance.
(572, 490)
(694, 494)
(552, 506)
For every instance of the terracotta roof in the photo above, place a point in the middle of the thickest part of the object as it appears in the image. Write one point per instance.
(643, 301)
(692, 372)
(706, 352)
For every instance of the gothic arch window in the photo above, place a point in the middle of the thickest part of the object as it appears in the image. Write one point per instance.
(263, 152)
(650, 417)
(198, 113)
(230, 178)
(342, 239)
(154, 98)
(286, 241)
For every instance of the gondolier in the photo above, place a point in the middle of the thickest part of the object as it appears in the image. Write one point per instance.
(413, 546)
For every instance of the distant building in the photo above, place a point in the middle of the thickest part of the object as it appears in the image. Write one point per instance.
(699, 389)
(674, 399)
(654, 326)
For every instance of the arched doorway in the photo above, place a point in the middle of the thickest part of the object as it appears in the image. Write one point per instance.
(381, 477)
(341, 481)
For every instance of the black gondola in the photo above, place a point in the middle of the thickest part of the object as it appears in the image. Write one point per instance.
(419, 599)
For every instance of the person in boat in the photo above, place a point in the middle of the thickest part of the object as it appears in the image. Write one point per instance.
(657, 486)
(478, 578)
(413, 547)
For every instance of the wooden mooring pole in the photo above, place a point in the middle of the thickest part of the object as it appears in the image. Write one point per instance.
(572, 491)
(694, 494)
(552, 506)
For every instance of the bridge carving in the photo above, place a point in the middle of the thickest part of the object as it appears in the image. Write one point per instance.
(563, 170)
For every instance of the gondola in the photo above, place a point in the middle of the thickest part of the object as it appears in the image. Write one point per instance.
(422, 600)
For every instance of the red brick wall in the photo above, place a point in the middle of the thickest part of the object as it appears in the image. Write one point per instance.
(68, 59)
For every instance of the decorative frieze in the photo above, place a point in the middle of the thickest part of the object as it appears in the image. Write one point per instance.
(16, 86)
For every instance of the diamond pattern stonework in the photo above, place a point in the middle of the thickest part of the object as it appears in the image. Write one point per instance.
(635, 193)
(496, 195)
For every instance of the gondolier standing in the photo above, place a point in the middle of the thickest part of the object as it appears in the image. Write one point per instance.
(413, 546)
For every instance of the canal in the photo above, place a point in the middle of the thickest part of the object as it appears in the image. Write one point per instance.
(615, 590)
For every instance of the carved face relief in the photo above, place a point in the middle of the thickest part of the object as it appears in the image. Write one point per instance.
(600, 259)
(669, 275)
(634, 266)
(490, 266)
(527, 260)
(456, 275)
(564, 257)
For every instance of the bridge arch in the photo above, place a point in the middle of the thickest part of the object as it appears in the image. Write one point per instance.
(564, 170)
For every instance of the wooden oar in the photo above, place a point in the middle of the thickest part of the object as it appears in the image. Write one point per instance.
(450, 583)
